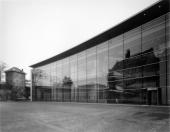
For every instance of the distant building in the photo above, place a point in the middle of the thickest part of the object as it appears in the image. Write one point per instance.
(16, 79)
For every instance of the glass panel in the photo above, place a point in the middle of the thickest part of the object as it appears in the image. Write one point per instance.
(66, 81)
(151, 81)
(54, 80)
(102, 71)
(59, 81)
(114, 93)
(91, 75)
(116, 53)
(168, 40)
(115, 69)
(168, 63)
(82, 77)
(101, 89)
(135, 72)
(153, 36)
(73, 77)
(132, 43)
(82, 91)
(132, 62)
(168, 88)
(154, 69)
(132, 91)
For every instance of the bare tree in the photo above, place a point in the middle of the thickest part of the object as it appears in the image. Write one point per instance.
(37, 74)
(3, 65)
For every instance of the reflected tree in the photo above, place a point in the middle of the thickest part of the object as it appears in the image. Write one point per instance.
(3, 65)
(67, 83)
(37, 74)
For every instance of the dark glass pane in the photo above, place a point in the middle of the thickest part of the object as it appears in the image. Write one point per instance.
(115, 75)
(101, 89)
(151, 57)
(151, 81)
(114, 93)
(168, 40)
(168, 88)
(132, 43)
(132, 91)
(134, 72)
(116, 53)
(168, 61)
(132, 62)
(153, 35)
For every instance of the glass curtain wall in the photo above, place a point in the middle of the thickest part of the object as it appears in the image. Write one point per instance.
(133, 67)
(41, 77)
(154, 60)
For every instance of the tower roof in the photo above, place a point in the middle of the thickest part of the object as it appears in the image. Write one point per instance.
(15, 69)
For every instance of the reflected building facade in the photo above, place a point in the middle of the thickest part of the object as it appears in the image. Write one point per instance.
(129, 63)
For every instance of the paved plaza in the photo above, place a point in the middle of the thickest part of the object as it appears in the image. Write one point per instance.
(79, 117)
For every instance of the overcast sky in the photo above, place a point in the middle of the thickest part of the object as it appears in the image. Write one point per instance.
(34, 30)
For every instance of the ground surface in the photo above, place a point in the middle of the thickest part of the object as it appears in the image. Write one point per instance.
(77, 117)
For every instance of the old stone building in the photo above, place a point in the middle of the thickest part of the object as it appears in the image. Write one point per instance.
(16, 79)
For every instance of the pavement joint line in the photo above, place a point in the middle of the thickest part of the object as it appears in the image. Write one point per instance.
(158, 106)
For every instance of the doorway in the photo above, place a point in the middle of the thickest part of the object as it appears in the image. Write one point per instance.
(153, 96)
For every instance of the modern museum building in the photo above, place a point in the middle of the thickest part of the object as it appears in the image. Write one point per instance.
(129, 63)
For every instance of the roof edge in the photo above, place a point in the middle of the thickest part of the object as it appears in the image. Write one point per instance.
(153, 11)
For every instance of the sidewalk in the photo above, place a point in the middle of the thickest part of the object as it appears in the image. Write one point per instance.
(82, 117)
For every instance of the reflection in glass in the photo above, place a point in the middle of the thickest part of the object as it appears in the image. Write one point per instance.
(133, 67)
(91, 75)
(102, 71)
(115, 51)
(82, 96)
(132, 42)
(153, 35)
(73, 76)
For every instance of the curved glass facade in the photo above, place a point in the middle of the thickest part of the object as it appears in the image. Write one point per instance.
(133, 67)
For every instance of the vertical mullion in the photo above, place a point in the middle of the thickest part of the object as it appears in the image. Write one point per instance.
(166, 55)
